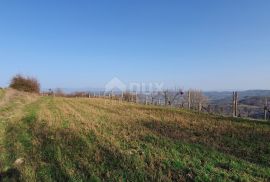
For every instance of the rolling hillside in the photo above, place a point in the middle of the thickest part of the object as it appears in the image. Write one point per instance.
(79, 139)
(251, 103)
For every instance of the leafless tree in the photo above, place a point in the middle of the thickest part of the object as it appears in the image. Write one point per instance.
(171, 97)
(196, 98)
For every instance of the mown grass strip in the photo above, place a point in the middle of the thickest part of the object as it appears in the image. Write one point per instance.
(18, 139)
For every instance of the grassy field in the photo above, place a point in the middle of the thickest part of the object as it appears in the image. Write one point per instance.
(61, 139)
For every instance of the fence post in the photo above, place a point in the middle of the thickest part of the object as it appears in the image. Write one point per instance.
(189, 100)
(265, 109)
(235, 104)
(132, 97)
(166, 97)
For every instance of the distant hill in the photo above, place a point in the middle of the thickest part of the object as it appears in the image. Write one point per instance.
(227, 95)
(254, 100)
(251, 102)
(214, 96)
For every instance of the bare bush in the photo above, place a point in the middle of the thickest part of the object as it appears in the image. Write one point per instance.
(26, 84)
(127, 96)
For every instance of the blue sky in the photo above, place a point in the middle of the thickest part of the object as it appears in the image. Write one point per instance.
(210, 44)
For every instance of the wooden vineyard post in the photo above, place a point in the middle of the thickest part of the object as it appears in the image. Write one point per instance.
(200, 106)
(166, 98)
(189, 100)
(265, 109)
(235, 104)
(132, 97)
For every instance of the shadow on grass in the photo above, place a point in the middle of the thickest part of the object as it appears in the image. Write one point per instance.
(11, 174)
(251, 146)
(19, 142)
(244, 120)
(68, 155)
(63, 154)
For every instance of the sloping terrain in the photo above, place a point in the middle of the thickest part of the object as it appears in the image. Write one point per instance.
(77, 139)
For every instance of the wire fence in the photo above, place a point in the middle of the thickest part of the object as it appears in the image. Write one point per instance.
(235, 106)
